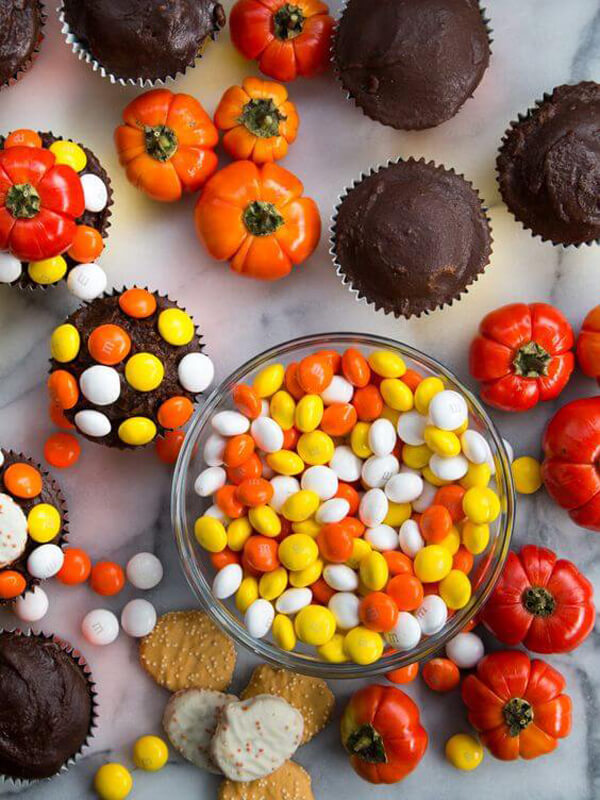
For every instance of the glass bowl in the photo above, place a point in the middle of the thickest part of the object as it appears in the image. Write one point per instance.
(186, 506)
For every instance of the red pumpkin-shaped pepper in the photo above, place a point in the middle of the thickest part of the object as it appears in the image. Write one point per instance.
(588, 344)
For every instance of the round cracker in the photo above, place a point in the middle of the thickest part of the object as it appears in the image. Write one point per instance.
(289, 782)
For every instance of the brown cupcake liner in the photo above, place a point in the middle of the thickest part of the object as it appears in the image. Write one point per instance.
(26, 65)
(143, 83)
(21, 784)
(360, 294)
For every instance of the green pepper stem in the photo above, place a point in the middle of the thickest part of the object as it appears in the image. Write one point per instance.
(262, 219)
(288, 22)
(23, 201)
(532, 361)
(538, 601)
(261, 117)
(366, 743)
(518, 714)
(161, 142)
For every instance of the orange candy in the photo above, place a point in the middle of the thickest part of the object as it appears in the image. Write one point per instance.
(290, 438)
(175, 412)
(23, 480)
(109, 344)
(290, 381)
(403, 674)
(12, 584)
(314, 373)
(398, 563)
(368, 403)
(322, 592)
(76, 567)
(224, 558)
(412, 379)
(254, 492)
(87, 244)
(378, 612)
(353, 526)
(451, 497)
(63, 388)
(349, 493)
(333, 357)
(168, 446)
(107, 578)
(226, 499)
(247, 401)
(339, 419)
(260, 553)
(335, 542)
(435, 524)
(238, 449)
(463, 560)
(57, 417)
(62, 450)
(23, 137)
(441, 674)
(406, 590)
(137, 303)
(251, 468)
(356, 368)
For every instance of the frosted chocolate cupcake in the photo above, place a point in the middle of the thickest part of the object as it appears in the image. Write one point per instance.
(21, 23)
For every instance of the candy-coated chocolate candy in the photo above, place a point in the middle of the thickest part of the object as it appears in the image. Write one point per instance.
(169, 446)
(284, 486)
(138, 618)
(137, 431)
(448, 410)
(175, 412)
(227, 581)
(144, 372)
(269, 380)
(87, 281)
(100, 385)
(210, 534)
(69, 153)
(464, 752)
(340, 577)
(196, 372)
(377, 471)
(150, 753)
(404, 487)
(76, 566)
(267, 434)
(209, 481)
(113, 782)
(45, 561)
(284, 634)
(465, 650)
(339, 391)
(293, 600)
(298, 551)
(109, 344)
(382, 538)
(100, 626)
(23, 480)
(137, 303)
(87, 244)
(346, 465)
(32, 606)
(406, 633)
(321, 480)
(107, 578)
(92, 423)
(333, 651)
(43, 522)
(411, 427)
(315, 448)
(95, 193)
(314, 625)
(23, 137)
(475, 447)
(373, 508)
(259, 617)
(382, 437)
(344, 607)
(47, 271)
(12, 584)
(431, 614)
(333, 510)
(63, 388)
(62, 450)
(363, 646)
(10, 268)
(144, 570)
(64, 343)
(448, 469)
(175, 326)
(214, 449)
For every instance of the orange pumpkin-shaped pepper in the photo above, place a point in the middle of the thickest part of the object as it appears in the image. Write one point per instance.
(258, 119)
(166, 144)
(256, 218)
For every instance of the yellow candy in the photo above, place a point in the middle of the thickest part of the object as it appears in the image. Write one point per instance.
(397, 394)
(455, 589)
(387, 364)
(475, 537)
(333, 651)
(283, 632)
(314, 625)
(269, 380)
(298, 551)
(137, 431)
(308, 526)
(452, 541)
(359, 440)
(272, 584)
(238, 533)
(144, 371)
(309, 413)
(374, 571)
(464, 752)
(175, 326)
(301, 578)
(285, 462)
(481, 505)
(363, 646)
(391, 415)
(461, 428)
(150, 753)
(477, 475)
(48, 271)
(43, 522)
(433, 479)
(432, 563)
(315, 448)
(246, 594)
(113, 782)
(397, 514)
(264, 520)
(282, 409)
(210, 534)
(425, 392)
(300, 505)
(360, 549)
(416, 456)
(444, 443)
(65, 343)
(527, 474)
(69, 153)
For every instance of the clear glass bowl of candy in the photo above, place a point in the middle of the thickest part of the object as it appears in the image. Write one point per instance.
(342, 505)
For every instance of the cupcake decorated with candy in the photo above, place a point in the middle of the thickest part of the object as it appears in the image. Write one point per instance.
(21, 25)
(128, 367)
(55, 200)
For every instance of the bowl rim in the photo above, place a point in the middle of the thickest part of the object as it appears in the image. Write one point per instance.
(223, 618)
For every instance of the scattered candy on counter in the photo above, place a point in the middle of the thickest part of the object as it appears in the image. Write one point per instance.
(107, 578)
(150, 753)
(144, 571)
(100, 627)
(138, 618)
(76, 567)
(113, 782)
(464, 752)
(62, 450)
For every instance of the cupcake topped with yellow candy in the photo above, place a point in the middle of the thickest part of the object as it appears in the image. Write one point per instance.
(128, 367)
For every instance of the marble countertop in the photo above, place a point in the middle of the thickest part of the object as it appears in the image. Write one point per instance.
(120, 502)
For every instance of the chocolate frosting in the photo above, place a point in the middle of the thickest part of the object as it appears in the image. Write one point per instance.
(20, 26)
(147, 39)
(411, 237)
(549, 166)
(411, 64)
(45, 707)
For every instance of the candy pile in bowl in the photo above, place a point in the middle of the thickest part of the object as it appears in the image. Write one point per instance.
(350, 497)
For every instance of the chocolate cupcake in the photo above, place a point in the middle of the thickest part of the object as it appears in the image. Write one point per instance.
(71, 249)
(48, 706)
(33, 513)
(134, 363)
(410, 237)
(21, 24)
(411, 64)
(549, 166)
(140, 41)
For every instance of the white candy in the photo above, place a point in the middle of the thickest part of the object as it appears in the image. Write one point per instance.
(425, 499)
(100, 385)
(377, 470)
(92, 423)
(321, 480)
(209, 481)
(265, 409)
(87, 281)
(45, 561)
(466, 650)
(267, 434)
(230, 423)
(95, 193)
(214, 449)
(411, 426)
(382, 538)
(259, 617)
(144, 571)
(344, 607)
(346, 464)
(431, 614)
(406, 633)
(382, 437)
(196, 372)
(373, 508)
(292, 600)
(227, 581)
(475, 447)
(33, 605)
(339, 391)
(10, 268)
(410, 539)
(340, 577)
(217, 513)
(138, 618)
(333, 510)
(448, 410)
(284, 486)
(100, 626)
(404, 487)
(448, 469)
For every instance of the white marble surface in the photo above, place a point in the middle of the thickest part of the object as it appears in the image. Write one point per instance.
(120, 502)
